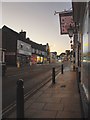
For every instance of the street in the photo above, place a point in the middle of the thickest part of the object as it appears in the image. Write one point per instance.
(32, 77)
(44, 71)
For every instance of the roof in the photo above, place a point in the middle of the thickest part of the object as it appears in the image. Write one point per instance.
(36, 45)
(9, 29)
(26, 40)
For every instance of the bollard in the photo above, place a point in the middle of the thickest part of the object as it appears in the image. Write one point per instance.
(53, 75)
(20, 99)
(77, 73)
(77, 77)
(62, 69)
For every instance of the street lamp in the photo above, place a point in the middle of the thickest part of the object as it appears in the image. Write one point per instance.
(70, 31)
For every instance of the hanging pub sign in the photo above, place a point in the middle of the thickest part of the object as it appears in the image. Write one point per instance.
(66, 20)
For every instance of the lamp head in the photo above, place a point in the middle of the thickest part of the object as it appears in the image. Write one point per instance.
(70, 31)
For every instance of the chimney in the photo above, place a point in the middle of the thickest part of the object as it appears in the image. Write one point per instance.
(22, 35)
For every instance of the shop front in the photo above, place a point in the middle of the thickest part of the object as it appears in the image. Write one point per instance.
(23, 60)
(82, 18)
(33, 59)
(40, 60)
(85, 59)
(23, 54)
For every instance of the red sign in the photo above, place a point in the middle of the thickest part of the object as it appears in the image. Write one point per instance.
(66, 19)
(34, 59)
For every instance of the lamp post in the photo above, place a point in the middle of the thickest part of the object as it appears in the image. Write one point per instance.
(71, 33)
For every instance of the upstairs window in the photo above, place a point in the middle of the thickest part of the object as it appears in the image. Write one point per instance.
(21, 46)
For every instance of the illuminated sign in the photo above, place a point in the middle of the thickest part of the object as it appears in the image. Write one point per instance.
(66, 19)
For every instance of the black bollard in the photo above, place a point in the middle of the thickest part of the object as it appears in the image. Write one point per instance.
(62, 69)
(20, 99)
(77, 77)
(53, 75)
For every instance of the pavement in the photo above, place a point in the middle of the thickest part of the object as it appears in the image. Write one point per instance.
(59, 100)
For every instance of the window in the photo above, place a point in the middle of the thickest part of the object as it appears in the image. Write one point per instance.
(89, 8)
(37, 51)
(21, 45)
(33, 50)
(0, 56)
(27, 47)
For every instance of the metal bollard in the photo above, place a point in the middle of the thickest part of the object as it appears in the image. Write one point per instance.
(20, 99)
(77, 77)
(62, 69)
(53, 75)
(77, 74)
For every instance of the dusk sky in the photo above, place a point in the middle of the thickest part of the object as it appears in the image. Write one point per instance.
(39, 22)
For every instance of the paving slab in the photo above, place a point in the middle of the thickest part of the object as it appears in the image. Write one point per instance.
(59, 100)
(37, 106)
(68, 114)
(40, 114)
(53, 106)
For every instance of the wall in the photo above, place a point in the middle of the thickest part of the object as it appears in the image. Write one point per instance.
(85, 59)
(9, 42)
(85, 52)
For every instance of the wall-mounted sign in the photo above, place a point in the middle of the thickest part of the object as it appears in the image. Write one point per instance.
(66, 19)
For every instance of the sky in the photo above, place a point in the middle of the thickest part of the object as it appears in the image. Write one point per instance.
(39, 22)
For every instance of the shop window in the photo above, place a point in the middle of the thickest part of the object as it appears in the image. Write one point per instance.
(27, 47)
(33, 50)
(89, 8)
(21, 45)
(37, 51)
(0, 56)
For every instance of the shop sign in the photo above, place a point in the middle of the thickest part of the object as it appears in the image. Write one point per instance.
(66, 19)
(23, 52)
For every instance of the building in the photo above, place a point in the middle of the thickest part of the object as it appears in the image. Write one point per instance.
(39, 52)
(17, 51)
(76, 23)
(82, 50)
(2, 57)
(22, 51)
(53, 57)
(9, 42)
